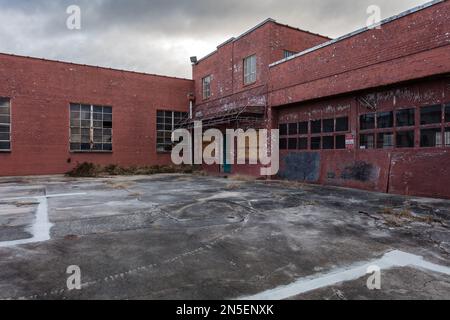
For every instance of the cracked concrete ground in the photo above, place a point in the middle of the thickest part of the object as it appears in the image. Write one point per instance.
(193, 237)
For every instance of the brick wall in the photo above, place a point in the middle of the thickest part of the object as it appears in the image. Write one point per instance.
(40, 93)
(411, 47)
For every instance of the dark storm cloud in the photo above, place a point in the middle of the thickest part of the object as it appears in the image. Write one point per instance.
(158, 36)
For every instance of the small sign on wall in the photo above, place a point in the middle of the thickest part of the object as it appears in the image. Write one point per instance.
(350, 141)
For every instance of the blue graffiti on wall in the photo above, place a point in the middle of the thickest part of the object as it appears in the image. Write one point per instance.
(302, 166)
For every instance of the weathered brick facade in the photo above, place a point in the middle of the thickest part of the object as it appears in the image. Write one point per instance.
(370, 74)
(41, 92)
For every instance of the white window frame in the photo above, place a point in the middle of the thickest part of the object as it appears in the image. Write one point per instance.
(250, 70)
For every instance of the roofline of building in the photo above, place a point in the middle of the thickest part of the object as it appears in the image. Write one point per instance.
(359, 31)
(259, 25)
(92, 66)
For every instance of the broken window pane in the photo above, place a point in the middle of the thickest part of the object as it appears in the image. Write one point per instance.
(406, 117)
(303, 128)
(316, 143)
(316, 126)
(328, 142)
(328, 125)
(86, 128)
(303, 143)
(430, 138)
(405, 139)
(340, 142)
(166, 123)
(367, 141)
(385, 140)
(293, 129)
(385, 120)
(367, 121)
(431, 115)
(283, 129)
(342, 124)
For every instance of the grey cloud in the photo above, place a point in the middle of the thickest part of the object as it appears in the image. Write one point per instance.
(158, 36)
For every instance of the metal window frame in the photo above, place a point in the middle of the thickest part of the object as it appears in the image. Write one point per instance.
(173, 125)
(9, 126)
(91, 129)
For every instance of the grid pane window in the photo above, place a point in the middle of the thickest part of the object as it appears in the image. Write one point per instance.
(406, 117)
(5, 124)
(166, 123)
(250, 70)
(206, 86)
(90, 128)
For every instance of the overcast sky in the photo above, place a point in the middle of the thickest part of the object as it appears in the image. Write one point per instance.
(159, 36)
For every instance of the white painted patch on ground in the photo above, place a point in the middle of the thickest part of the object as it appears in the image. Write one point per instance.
(40, 229)
(390, 260)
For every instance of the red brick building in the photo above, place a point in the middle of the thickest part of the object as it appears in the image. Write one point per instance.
(369, 110)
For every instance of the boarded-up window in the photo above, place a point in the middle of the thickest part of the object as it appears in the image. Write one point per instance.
(90, 128)
(5, 124)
